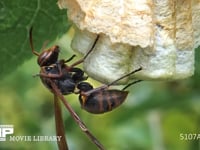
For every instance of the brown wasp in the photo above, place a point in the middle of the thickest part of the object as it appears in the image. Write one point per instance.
(62, 79)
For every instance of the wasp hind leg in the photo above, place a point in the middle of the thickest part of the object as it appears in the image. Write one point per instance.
(130, 84)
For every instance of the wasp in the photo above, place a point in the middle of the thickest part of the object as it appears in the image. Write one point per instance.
(62, 79)
(62, 73)
(94, 100)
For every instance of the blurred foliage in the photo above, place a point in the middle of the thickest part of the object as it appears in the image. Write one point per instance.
(152, 118)
(16, 18)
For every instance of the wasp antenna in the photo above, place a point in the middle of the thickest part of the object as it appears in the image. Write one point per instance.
(31, 42)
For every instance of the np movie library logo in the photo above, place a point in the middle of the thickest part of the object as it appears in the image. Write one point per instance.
(5, 130)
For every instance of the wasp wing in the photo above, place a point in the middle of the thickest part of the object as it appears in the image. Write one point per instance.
(62, 143)
(75, 116)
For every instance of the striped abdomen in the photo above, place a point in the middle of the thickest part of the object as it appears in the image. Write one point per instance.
(103, 100)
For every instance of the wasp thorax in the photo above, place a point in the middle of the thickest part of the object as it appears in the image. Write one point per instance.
(159, 36)
(49, 56)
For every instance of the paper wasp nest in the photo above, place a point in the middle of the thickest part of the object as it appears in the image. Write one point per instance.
(158, 35)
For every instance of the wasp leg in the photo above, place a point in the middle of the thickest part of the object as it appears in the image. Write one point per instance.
(87, 93)
(106, 86)
(50, 75)
(46, 71)
(68, 60)
(86, 88)
(128, 85)
(81, 60)
(134, 71)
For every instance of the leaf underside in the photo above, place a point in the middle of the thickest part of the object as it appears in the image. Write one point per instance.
(16, 18)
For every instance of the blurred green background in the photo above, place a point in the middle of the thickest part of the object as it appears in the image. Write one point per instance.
(153, 117)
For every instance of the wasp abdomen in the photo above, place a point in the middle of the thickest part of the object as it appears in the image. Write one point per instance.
(103, 101)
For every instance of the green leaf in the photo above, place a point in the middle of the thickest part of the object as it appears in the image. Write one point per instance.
(16, 18)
